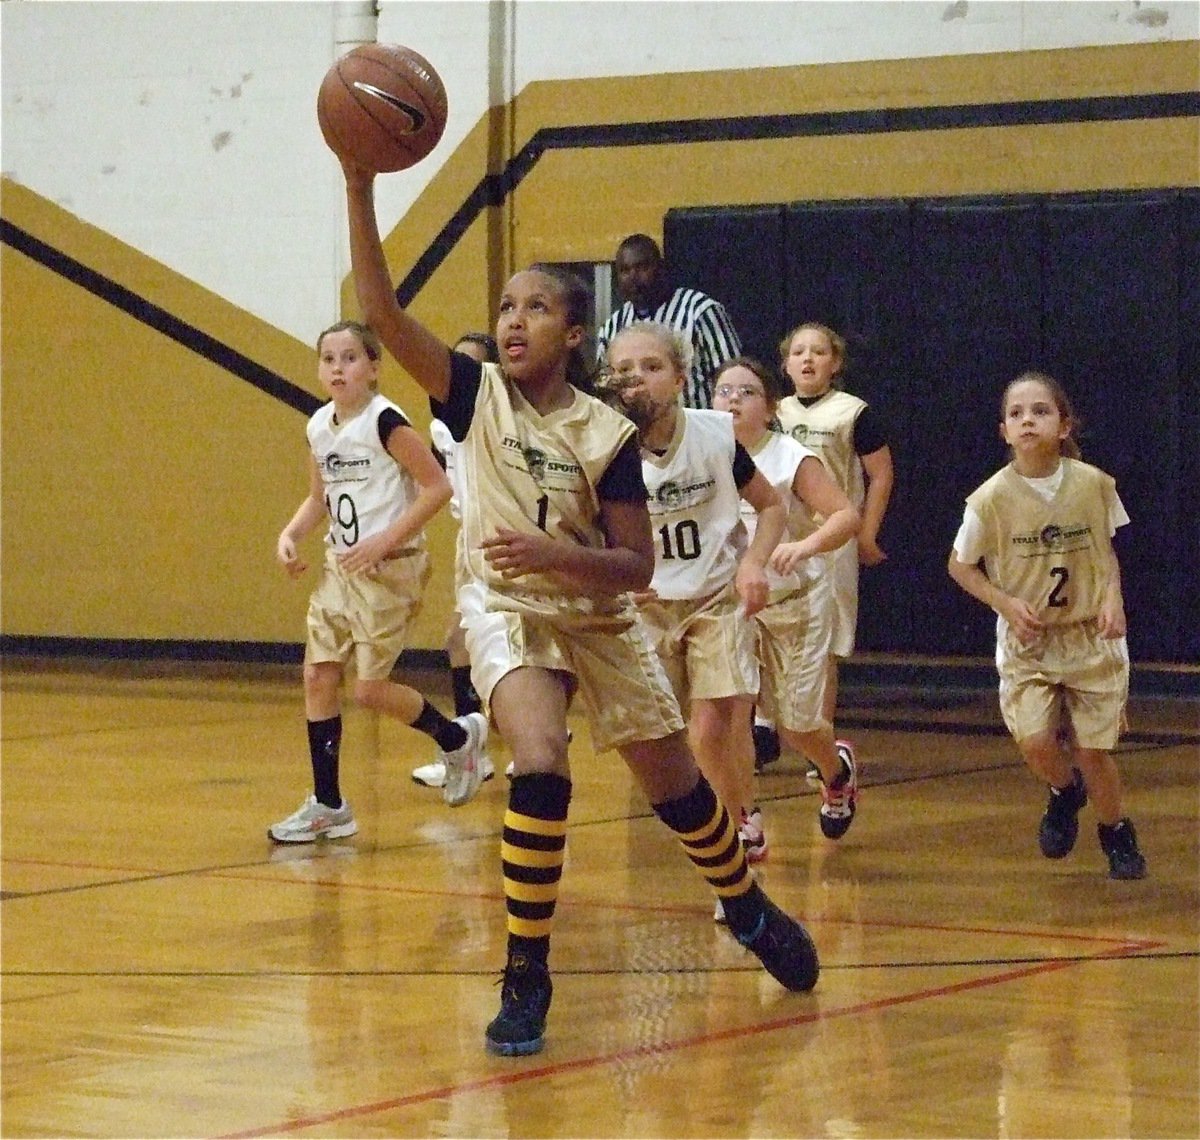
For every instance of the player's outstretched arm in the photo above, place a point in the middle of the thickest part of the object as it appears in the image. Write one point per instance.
(421, 354)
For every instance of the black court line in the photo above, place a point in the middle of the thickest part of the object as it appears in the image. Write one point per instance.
(1119, 954)
(493, 189)
(136, 878)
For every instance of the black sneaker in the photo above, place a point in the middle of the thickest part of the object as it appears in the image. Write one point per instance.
(1125, 861)
(1060, 823)
(766, 746)
(520, 1027)
(784, 947)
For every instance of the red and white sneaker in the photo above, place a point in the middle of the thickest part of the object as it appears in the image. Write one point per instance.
(754, 839)
(839, 801)
(464, 766)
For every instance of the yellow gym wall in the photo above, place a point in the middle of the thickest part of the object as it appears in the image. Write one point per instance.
(143, 486)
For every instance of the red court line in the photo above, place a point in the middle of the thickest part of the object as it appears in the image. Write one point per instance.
(566, 901)
(667, 1047)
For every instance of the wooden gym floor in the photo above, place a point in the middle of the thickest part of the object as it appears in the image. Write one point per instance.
(167, 972)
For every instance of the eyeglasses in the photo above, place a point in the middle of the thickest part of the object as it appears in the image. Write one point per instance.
(725, 391)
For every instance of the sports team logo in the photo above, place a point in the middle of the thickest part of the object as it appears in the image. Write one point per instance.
(338, 468)
(1051, 536)
(669, 496)
(1053, 539)
(535, 460)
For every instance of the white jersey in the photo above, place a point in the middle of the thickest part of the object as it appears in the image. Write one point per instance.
(447, 447)
(779, 457)
(366, 490)
(695, 507)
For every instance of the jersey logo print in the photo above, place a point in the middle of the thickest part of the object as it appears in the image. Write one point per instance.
(535, 460)
(415, 117)
(672, 496)
(1053, 539)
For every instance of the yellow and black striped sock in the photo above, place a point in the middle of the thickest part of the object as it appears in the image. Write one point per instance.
(712, 843)
(532, 852)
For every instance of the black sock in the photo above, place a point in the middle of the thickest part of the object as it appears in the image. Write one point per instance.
(446, 733)
(324, 746)
(466, 699)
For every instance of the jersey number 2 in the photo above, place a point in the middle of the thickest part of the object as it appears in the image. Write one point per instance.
(1058, 595)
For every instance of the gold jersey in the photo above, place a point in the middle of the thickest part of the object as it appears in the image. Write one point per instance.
(1057, 554)
(529, 472)
(827, 427)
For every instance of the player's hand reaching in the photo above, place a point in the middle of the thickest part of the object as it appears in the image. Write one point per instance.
(788, 556)
(355, 174)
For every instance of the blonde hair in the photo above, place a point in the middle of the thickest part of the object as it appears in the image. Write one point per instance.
(836, 340)
(678, 348)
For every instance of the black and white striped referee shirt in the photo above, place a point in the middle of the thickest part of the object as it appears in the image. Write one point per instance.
(703, 321)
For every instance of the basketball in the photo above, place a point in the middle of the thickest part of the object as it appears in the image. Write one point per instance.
(382, 107)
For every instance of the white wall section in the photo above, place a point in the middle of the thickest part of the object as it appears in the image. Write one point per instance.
(188, 130)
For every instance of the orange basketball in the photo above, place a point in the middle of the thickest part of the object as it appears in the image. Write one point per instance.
(382, 107)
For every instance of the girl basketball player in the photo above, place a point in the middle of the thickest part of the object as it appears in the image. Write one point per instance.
(1043, 528)
(795, 627)
(847, 436)
(555, 533)
(376, 484)
(708, 578)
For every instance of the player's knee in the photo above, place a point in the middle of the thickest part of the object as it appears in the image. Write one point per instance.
(321, 679)
(370, 694)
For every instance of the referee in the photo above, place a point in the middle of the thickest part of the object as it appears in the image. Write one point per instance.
(647, 295)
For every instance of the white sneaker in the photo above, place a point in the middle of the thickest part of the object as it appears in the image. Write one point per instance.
(464, 766)
(313, 821)
(433, 774)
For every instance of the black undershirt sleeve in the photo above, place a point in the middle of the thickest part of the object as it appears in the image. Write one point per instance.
(743, 466)
(622, 480)
(458, 410)
(869, 433)
(389, 420)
